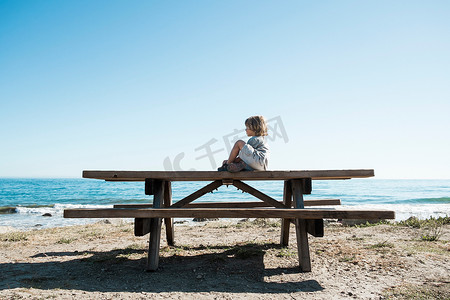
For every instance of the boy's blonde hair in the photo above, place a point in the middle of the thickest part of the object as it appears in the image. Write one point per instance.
(257, 124)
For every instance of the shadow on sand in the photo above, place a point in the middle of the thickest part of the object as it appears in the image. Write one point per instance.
(234, 269)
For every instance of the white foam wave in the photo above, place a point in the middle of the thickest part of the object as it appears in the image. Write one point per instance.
(56, 210)
(405, 211)
(28, 218)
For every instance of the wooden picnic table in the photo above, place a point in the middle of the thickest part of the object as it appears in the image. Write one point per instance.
(148, 217)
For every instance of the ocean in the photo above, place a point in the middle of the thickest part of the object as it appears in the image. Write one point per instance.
(24, 202)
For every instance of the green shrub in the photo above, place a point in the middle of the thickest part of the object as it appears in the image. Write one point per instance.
(266, 222)
(286, 252)
(384, 244)
(415, 222)
(432, 226)
(65, 241)
(433, 233)
(16, 236)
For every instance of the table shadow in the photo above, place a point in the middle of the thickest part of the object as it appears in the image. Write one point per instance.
(234, 269)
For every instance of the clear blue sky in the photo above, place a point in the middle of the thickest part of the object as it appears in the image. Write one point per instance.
(127, 84)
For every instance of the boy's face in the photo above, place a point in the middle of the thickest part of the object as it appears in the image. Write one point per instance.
(249, 132)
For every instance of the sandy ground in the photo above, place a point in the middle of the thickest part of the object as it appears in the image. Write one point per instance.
(223, 260)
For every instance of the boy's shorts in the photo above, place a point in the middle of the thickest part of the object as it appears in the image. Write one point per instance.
(250, 158)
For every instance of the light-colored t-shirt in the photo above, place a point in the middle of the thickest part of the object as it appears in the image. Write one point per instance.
(256, 153)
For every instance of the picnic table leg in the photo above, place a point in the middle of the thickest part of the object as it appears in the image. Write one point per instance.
(142, 225)
(300, 227)
(155, 227)
(285, 223)
(168, 221)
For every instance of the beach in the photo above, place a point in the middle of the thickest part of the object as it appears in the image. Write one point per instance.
(224, 260)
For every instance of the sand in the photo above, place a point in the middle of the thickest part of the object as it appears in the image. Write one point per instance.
(223, 260)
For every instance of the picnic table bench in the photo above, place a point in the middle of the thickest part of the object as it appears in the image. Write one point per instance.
(148, 217)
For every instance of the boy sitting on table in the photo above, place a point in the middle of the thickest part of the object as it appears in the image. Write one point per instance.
(252, 155)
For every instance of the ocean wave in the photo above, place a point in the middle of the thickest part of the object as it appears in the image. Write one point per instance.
(16, 209)
(37, 205)
(55, 209)
(30, 218)
(442, 200)
(405, 211)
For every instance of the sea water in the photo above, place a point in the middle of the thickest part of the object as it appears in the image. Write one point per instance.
(39, 203)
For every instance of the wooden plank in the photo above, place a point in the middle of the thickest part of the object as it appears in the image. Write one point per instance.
(286, 223)
(287, 213)
(214, 175)
(315, 227)
(149, 186)
(204, 190)
(297, 193)
(302, 245)
(297, 186)
(168, 221)
(322, 202)
(311, 202)
(306, 185)
(155, 227)
(141, 226)
(252, 191)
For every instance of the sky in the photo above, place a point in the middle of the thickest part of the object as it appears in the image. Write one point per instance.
(155, 85)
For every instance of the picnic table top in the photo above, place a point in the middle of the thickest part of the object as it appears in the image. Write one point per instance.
(215, 175)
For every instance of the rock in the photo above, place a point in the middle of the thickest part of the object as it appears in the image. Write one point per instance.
(205, 219)
(180, 222)
(329, 222)
(7, 210)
